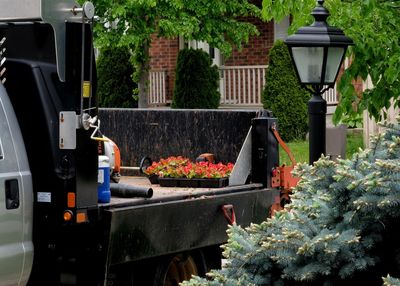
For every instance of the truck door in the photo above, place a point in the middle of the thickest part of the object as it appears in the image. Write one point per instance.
(15, 212)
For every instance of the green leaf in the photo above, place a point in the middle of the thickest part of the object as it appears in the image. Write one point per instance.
(374, 27)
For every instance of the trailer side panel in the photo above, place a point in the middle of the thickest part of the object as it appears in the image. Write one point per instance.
(169, 227)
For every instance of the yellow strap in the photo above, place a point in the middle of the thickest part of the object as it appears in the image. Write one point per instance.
(100, 139)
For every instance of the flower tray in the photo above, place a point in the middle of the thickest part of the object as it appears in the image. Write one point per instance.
(193, 183)
(153, 179)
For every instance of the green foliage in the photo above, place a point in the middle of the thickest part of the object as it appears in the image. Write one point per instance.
(196, 83)
(284, 96)
(374, 26)
(115, 86)
(132, 23)
(300, 149)
(355, 120)
(341, 227)
(355, 142)
(215, 22)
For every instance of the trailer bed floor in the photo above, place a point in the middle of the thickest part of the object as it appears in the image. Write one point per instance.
(163, 194)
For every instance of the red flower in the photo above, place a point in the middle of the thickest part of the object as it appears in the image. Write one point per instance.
(181, 167)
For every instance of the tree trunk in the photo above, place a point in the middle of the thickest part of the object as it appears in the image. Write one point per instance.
(144, 79)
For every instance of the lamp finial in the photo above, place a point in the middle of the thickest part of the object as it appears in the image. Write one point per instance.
(320, 13)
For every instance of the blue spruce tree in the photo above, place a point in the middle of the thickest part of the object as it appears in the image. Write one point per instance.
(389, 281)
(340, 229)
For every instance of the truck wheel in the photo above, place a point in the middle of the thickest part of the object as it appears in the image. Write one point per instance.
(178, 268)
(168, 270)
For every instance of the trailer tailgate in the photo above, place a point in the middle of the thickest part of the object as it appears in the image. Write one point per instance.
(183, 220)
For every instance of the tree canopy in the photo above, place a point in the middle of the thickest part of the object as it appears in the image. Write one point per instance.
(116, 88)
(132, 23)
(284, 96)
(374, 26)
(196, 82)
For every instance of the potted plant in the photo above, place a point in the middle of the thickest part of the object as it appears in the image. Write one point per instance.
(181, 172)
(156, 168)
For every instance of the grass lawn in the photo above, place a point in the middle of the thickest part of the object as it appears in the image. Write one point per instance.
(300, 149)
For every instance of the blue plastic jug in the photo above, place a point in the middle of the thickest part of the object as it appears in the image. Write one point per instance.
(103, 180)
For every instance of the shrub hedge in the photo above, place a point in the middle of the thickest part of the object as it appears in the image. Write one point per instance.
(196, 83)
(114, 78)
(284, 96)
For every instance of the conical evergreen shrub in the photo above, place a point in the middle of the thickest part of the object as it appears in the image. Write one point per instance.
(115, 87)
(342, 227)
(284, 96)
(196, 83)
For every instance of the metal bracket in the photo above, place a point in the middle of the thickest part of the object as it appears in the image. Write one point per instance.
(229, 214)
(242, 167)
(56, 13)
(68, 124)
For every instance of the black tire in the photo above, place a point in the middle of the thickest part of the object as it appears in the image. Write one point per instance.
(167, 270)
(180, 267)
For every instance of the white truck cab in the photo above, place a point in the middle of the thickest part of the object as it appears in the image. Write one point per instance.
(18, 194)
(16, 200)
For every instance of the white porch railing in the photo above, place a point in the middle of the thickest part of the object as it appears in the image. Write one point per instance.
(242, 85)
(158, 87)
(331, 96)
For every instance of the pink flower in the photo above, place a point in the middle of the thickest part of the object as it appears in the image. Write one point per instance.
(181, 167)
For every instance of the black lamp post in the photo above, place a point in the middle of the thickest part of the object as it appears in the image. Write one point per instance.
(317, 52)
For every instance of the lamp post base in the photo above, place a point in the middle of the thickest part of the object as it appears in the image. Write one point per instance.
(317, 127)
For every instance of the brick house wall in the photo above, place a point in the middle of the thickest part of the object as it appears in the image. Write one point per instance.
(163, 56)
(256, 51)
(164, 53)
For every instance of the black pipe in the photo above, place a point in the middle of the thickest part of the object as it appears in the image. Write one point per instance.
(128, 191)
